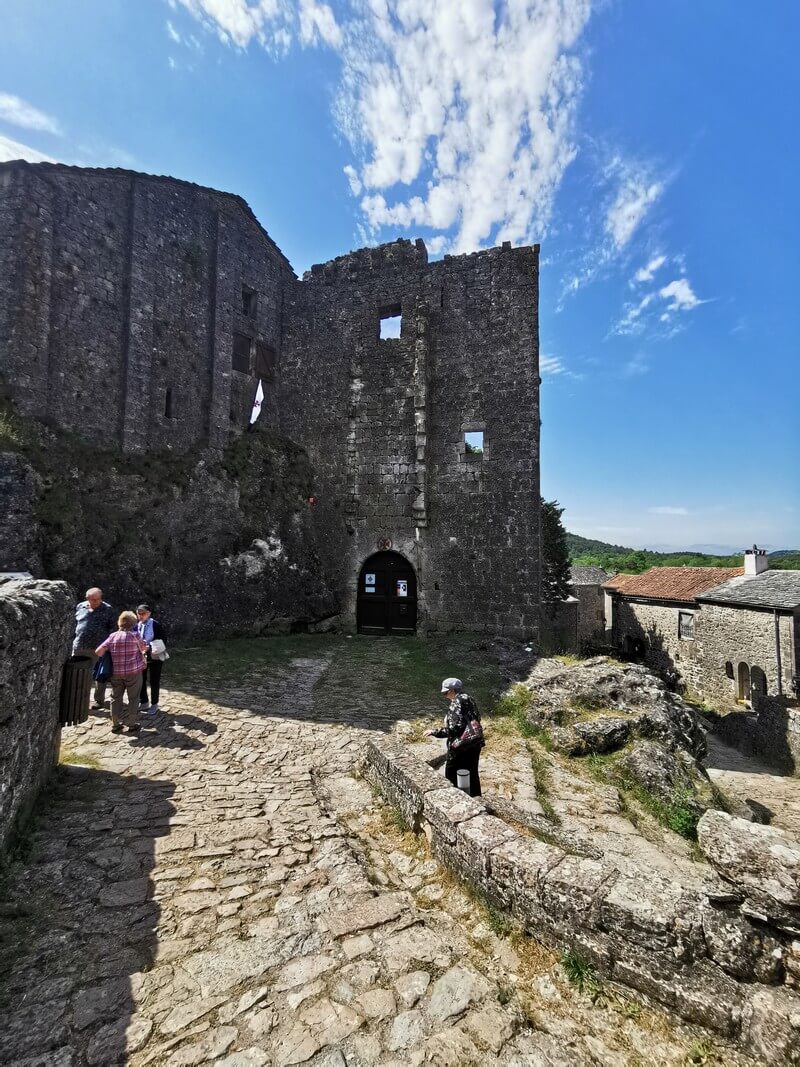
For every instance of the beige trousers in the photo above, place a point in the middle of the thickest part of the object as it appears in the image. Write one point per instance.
(122, 685)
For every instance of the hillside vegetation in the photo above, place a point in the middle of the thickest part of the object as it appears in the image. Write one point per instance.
(616, 558)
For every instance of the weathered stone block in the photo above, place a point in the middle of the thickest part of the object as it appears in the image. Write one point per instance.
(446, 808)
(516, 869)
(572, 890)
(763, 860)
(640, 910)
(771, 1025)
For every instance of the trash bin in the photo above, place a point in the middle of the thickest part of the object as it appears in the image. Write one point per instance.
(76, 682)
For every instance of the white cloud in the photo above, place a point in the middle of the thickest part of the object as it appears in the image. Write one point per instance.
(637, 366)
(460, 113)
(637, 191)
(667, 509)
(658, 305)
(551, 365)
(173, 33)
(680, 295)
(18, 112)
(645, 274)
(15, 150)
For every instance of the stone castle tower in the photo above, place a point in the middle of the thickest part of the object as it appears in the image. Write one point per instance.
(141, 312)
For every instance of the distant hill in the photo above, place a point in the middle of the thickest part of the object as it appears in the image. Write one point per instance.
(615, 558)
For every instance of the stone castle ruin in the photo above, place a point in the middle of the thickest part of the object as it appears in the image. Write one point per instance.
(138, 315)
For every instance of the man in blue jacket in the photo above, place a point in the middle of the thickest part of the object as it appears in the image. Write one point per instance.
(94, 621)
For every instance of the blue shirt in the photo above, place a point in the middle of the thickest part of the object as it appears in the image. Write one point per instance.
(92, 627)
(146, 630)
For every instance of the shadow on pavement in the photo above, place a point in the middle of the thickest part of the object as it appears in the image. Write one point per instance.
(78, 920)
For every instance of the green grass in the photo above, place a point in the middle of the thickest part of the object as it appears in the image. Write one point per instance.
(581, 974)
(511, 711)
(678, 814)
(541, 774)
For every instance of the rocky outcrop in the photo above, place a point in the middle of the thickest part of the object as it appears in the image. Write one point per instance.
(34, 628)
(761, 861)
(217, 544)
(598, 704)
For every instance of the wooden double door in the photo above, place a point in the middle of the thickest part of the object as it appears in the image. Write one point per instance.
(387, 596)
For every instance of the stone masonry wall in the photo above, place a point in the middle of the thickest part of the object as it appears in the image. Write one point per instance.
(384, 424)
(34, 628)
(657, 626)
(707, 958)
(119, 297)
(725, 633)
(591, 616)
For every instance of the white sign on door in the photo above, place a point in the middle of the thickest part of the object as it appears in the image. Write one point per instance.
(402, 587)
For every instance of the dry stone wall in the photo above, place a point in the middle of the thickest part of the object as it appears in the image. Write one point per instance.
(726, 961)
(34, 632)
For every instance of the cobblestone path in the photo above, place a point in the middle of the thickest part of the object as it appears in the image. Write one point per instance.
(748, 778)
(224, 889)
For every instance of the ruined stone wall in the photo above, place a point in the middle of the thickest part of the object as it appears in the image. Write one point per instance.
(728, 634)
(34, 629)
(384, 424)
(119, 297)
(725, 959)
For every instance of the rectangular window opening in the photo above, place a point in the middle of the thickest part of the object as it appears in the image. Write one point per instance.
(686, 625)
(168, 413)
(249, 301)
(265, 361)
(473, 443)
(241, 353)
(391, 318)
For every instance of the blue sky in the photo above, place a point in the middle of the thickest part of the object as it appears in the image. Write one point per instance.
(651, 149)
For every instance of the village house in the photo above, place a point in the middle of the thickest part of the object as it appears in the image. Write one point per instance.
(586, 585)
(724, 633)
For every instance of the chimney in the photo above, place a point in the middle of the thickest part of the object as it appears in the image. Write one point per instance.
(756, 561)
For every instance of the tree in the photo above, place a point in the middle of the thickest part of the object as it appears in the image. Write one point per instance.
(555, 554)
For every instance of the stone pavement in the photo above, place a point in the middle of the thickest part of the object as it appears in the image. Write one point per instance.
(748, 778)
(225, 889)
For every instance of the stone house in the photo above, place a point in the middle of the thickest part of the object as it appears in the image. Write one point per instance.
(723, 632)
(586, 585)
(142, 313)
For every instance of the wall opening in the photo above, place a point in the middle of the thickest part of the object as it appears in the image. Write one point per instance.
(758, 682)
(249, 302)
(386, 599)
(258, 403)
(473, 443)
(241, 353)
(391, 318)
(686, 625)
(265, 361)
(168, 410)
(743, 682)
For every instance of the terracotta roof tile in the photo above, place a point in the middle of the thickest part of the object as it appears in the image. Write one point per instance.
(672, 583)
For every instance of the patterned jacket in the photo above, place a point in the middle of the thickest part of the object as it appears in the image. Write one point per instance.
(461, 709)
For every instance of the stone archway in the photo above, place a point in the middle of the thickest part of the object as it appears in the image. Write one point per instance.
(386, 600)
(758, 682)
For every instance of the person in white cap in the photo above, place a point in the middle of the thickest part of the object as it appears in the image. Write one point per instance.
(464, 733)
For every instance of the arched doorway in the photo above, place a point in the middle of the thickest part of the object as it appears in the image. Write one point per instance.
(758, 682)
(743, 678)
(386, 602)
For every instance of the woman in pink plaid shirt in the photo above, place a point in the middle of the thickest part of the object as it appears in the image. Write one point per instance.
(127, 655)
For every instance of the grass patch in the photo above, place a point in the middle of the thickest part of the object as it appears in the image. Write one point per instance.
(511, 712)
(73, 757)
(678, 814)
(588, 702)
(701, 1052)
(541, 774)
(581, 974)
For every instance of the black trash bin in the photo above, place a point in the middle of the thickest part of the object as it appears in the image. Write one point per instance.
(76, 683)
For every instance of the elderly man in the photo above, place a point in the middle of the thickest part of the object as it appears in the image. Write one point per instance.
(94, 621)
